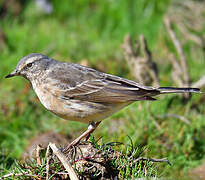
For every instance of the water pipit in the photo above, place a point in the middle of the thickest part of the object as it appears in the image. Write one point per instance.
(79, 93)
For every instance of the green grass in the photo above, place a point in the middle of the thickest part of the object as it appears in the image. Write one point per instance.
(103, 161)
(94, 30)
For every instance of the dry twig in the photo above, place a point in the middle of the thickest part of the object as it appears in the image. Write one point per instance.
(48, 158)
(177, 73)
(28, 174)
(64, 161)
(140, 61)
(152, 160)
(189, 17)
(38, 158)
(18, 175)
(182, 59)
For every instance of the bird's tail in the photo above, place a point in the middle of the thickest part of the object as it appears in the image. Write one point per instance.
(164, 90)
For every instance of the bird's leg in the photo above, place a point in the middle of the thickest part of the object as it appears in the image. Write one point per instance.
(92, 126)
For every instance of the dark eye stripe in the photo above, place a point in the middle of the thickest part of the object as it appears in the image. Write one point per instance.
(29, 65)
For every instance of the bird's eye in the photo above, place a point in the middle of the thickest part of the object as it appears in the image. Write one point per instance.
(29, 65)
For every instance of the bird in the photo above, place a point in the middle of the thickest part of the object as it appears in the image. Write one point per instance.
(79, 93)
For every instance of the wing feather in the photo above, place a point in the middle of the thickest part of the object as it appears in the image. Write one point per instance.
(107, 92)
(94, 86)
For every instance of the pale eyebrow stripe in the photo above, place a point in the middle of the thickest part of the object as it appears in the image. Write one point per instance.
(30, 60)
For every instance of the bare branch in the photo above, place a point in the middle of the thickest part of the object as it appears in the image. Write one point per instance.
(182, 58)
(38, 150)
(139, 59)
(152, 160)
(177, 72)
(64, 161)
(190, 36)
(48, 158)
(18, 175)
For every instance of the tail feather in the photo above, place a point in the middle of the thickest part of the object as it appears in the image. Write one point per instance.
(164, 90)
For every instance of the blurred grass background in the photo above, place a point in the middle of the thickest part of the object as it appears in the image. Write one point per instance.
(93, 31)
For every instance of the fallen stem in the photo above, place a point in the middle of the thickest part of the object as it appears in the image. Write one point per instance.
(152, 160)
(64, 161)
(18, 175)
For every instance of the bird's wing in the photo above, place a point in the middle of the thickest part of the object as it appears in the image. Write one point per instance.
(107, 91)
(94, 86)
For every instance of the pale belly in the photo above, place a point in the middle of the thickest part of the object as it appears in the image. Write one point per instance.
(76, 110)
(88, 111)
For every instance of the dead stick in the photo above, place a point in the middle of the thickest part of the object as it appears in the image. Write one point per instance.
(179, 49)
(152, 160)
(17, 175)
(48, 158)
(64, 161)
(177, 72)
(38, 158)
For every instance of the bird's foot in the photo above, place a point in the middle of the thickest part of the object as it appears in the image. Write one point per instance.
(92, 126)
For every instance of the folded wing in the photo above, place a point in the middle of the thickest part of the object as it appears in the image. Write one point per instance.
(108, 90)
(86, 84)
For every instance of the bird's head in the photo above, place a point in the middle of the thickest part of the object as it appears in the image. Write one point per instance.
(31, 66)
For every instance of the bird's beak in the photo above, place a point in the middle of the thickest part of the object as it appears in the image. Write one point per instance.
(13, 73)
